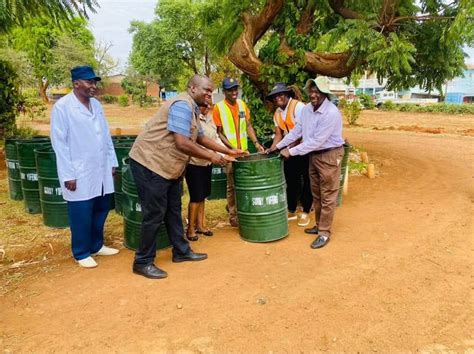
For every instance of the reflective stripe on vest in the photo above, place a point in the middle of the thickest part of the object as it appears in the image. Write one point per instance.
(228, 125)
(289, 123)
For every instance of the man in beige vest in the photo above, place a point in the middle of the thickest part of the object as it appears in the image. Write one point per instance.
(158, 159)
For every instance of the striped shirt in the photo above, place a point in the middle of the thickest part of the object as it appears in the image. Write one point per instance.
(320, 129)
(180, 117)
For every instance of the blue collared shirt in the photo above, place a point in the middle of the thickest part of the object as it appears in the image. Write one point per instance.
(320, 129)
(180, 117)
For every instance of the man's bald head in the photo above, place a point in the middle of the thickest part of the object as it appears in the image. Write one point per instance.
(200, 88)
(197, 80)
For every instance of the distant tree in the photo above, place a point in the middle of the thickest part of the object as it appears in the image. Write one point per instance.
(52, 49)
(106, 64)
(176, 43)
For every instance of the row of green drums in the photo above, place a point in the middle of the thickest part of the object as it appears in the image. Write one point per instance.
(259, 184)
(33, 178)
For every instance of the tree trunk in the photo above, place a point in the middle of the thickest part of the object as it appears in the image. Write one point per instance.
(43, 86)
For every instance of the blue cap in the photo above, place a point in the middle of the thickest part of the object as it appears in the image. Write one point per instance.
(84, 73)
(229, 83)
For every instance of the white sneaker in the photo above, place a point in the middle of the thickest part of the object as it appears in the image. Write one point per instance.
(304, 219)
(106, 251)
(292, 216)
(87, 262)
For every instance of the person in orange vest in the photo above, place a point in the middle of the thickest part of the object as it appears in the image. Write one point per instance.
(232, 119)
(286, 116)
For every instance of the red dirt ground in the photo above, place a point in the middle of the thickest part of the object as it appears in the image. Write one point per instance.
(396, 277)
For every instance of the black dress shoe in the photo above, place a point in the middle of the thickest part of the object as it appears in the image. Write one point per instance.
(312, 231)
(189, 257)
(149, 271)
(320, 241)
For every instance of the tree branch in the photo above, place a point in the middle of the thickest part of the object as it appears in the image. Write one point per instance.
(242, 53)
(338, 7)
(422, 18)
(306, 21)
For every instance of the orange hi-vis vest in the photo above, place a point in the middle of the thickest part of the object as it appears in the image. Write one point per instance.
(289, 123)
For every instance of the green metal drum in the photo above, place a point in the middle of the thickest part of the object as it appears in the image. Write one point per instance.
(121, 150)
(13, 169)
(260, 191)
(218, 183)
(53, 206)
(344, 170)
(132, 214)
(117, 139)
(28, 173)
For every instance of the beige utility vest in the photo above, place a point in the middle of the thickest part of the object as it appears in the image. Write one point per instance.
(155, 147)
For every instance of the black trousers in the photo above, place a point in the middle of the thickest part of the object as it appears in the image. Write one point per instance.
(160, 200)
(298, 186)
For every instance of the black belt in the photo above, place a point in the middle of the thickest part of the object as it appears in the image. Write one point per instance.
(317, 152)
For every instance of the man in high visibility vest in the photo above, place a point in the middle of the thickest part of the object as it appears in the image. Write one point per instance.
(286, 116)
(232, 119)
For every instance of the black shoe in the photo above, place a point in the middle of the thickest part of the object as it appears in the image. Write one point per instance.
(320, 241)
(149, 271)
(313, 231)
(189, 257)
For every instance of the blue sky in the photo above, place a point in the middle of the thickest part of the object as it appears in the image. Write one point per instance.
(112, 20)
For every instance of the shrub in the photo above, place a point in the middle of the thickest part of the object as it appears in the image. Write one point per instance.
(351, 111)
(388, 106)
(123, 101)
(429, 108)
(9, 98)
(25, 132)
(31, 104)
(109, 99)
(366, 101)
(143, 100)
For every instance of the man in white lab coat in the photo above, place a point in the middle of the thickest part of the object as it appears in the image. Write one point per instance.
(86, 163)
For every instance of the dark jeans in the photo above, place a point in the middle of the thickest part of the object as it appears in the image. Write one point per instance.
(298, 185)
(160, 200)
(87, 219)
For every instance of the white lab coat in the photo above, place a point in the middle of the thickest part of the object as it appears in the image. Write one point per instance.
(83, 147)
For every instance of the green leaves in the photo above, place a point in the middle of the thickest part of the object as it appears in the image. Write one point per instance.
(176, 43)
(9, 99)
(53, 50)
(18, 12)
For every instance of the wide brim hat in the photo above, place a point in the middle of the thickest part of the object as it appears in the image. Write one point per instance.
(322, 83)
(280, 87)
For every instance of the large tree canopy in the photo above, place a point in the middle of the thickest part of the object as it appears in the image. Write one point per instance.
(401, 41)
(406, 42)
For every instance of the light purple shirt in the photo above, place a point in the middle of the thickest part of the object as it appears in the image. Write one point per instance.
(320, 129)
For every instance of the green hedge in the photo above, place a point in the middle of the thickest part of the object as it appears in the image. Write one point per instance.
(430, 108)
(109, 99)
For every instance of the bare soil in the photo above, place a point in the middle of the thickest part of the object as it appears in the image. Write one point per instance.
(396, 276)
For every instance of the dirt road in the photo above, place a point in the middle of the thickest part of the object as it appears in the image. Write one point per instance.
(397, 276)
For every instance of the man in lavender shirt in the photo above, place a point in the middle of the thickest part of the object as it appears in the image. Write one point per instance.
(321, 130)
